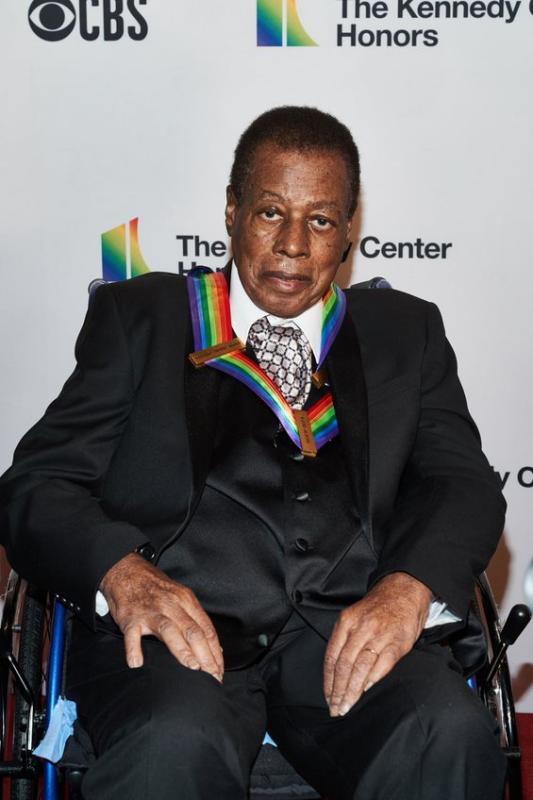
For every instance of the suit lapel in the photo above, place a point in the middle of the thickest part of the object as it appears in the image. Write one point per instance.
(348, 387)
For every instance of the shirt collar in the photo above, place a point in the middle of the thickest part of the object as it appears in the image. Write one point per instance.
(244, 313)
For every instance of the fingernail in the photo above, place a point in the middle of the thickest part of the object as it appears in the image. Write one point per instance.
(194, 665)
(344, 709)
(334, 711)
(369, 685)
(134, 663)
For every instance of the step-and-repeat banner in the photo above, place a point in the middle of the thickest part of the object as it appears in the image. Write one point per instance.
(119, 119)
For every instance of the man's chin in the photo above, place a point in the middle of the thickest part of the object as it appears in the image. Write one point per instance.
(286, 306)
(285, 298)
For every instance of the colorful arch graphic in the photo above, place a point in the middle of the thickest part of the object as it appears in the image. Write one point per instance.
(121, 253)
(297, 36)
(270, 25)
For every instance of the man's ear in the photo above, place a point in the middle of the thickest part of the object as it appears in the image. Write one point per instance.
(346, 252)
(231, 207)
(348, 245)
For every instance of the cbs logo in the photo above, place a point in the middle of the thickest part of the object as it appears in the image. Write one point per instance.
(54, 20)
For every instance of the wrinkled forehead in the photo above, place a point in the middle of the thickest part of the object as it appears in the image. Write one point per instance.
(298, 175)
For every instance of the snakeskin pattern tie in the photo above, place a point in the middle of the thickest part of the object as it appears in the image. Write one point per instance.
(284, 353)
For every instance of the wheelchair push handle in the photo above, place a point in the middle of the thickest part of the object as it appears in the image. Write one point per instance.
(518, 618)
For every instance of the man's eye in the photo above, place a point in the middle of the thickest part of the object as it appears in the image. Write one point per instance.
(321, 222)
(270, 213)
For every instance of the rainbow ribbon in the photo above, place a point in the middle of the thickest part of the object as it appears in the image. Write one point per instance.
(211, 323)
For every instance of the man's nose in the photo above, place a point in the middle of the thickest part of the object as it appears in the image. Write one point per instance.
(293, 239)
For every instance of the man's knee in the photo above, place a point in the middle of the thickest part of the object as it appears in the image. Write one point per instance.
(177, 731)
(460, 744)
(196, 724)
(458, 722)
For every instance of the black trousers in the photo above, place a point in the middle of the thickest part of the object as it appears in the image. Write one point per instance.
(164, 732)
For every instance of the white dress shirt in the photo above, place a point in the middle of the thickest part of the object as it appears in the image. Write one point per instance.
(244, 313)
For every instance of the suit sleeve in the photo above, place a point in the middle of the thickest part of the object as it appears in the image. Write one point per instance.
(450, 511)
(55, 531)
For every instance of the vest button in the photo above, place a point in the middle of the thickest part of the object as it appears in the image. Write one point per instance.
(302, 544)
(262, 640)
(297, 596)
(301, 496)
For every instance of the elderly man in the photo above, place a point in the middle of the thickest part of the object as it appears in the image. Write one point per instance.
(266, 502)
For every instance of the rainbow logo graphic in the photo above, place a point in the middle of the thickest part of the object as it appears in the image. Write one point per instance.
(121, 253)
(270, 19)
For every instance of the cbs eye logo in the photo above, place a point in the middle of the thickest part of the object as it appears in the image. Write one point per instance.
(54, 20)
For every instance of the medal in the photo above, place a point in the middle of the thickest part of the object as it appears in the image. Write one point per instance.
(215, 346)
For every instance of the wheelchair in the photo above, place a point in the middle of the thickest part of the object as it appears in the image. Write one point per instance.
(33, 633)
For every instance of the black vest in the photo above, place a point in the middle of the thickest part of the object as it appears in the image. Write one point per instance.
(260, 540)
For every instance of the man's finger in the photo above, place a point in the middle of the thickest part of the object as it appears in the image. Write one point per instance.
(383, 664)
(216, 650)
(388, 659)
(197, 613)
(351, 675)
(177, 646)
(133, 647)
(335, 645)
(342, 674)
(358, 680)
(186, 641)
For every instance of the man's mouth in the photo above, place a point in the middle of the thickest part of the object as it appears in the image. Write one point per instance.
(286, 281)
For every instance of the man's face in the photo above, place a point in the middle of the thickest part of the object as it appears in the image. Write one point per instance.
(291, 227)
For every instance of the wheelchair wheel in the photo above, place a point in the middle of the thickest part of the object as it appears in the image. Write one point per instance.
(31, 652)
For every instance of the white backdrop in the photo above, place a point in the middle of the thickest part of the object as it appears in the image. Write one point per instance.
(98, 131)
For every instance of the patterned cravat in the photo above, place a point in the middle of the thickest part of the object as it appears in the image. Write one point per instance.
(284, 353)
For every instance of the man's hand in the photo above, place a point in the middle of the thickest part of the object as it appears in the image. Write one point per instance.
(143, 600)
(371, 636)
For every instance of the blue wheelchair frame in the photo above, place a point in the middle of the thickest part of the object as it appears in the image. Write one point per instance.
(55, 673)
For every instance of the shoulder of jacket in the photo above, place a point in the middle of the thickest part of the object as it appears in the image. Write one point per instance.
(392, 301)
(152, 283)
(147, 293)
(157, 297)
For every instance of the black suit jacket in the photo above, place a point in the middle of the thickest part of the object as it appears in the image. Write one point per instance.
(121, 456)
